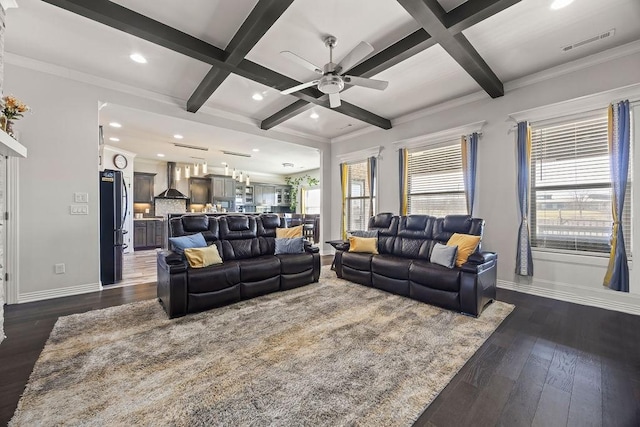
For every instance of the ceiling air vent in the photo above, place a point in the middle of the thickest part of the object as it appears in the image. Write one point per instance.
(602, 36)
(193, 147)
(231, 153)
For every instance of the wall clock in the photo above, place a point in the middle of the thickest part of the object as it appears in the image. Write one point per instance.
(120, 161)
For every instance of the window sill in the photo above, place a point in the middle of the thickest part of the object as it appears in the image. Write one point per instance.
(566, 257)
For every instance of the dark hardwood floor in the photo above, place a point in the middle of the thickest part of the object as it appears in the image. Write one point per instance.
(550, 363)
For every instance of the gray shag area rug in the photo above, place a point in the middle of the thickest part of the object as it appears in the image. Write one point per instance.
(331, 353)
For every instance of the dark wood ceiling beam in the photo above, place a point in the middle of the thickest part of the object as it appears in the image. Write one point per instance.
(472, 12)
(261, 18)
(121, 18)
(456, 20)
(431, 16)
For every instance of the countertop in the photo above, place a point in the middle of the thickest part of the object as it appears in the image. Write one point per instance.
(157, 218)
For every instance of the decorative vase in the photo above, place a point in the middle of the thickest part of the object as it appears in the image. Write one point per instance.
(9, 127)
(3, 123)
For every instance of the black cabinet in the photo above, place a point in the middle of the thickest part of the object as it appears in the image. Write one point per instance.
(200, 190)
(143, 187)
(148, 234)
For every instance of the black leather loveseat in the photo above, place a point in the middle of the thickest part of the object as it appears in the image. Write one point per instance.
(402, 265)
(246, 244)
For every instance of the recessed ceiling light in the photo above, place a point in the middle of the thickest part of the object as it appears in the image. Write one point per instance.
(136, 57)
(115, 125)
(559, 4)
(257, 97)
(114, 139)
(314, 115)
(287, 165)
(178, 136)
(255, 150)
(160, 155)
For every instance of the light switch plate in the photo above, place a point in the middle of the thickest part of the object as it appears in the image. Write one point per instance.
(79, 209)
(81, 197)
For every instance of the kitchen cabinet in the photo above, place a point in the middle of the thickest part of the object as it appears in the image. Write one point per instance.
(148, 233)
(223, 188)
(143, 188)
(264, 195)
(200, 190)
(283, 195)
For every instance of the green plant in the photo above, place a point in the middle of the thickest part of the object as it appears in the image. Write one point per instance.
(295, 187)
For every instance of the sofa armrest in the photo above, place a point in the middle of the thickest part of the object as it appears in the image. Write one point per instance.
(311, 249)
(172, 262)
(479, 261)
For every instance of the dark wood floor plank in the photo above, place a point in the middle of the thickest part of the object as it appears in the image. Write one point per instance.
(562, 369)
(620, 402)
(489, 403)
(553, 408)
(585, 408)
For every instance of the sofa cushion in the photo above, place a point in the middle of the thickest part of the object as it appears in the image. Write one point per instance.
(295, 263)
(391, 266)
(466, 245)
(293, 245)
(236, 227)
(364, 233)
(260, 268)
(240, 249)
(289, 232)
(444, 255)
(357, 261)
(367, 245)
(203, 257)
(435, 276)
(189, 241)
(213, 278)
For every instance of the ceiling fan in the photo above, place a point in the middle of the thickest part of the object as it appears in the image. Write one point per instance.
(333, 78)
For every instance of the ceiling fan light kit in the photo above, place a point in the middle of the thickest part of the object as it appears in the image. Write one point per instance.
(333, 79)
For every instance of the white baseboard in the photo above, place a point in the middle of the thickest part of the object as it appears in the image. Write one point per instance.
(58, 292)
(602, 298)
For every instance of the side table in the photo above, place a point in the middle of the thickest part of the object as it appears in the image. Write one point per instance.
(339, 245)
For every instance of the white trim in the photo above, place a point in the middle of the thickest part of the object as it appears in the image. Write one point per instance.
(359, 155)
(355, 133)
(12, 251)
(576, 65)
(579, 105)
(11, 147)
(8, 4)
(117, 150)
(289, 131)
(602, 298)
(58, 292)
(443, 106)
(441, 136)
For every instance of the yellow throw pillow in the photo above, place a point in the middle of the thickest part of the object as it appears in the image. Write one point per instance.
(466, 244)
(288, 233)
(203, 257)
(367, 245)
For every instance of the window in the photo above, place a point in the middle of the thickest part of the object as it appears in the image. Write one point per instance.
(571, 187)
(357, 202)
(312, 201)
(436, 184)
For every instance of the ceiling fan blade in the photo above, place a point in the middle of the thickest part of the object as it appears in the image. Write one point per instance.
(299, 87)
(334, 100)
(301, 61)
(370, 83)
(356, 55)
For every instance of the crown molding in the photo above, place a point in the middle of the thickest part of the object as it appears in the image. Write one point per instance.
(573, 66)
(579, 105)
(118, 150)
(443, 106)
(436, 138)
(297, 133)
(354, 134)
(359, 155)
(8, 4)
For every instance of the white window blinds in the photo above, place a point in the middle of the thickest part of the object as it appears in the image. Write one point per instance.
(358, 197)
(436, 184)
(571, 187)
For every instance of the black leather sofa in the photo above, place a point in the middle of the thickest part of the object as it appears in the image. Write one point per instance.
(402, 265)
(246, 244)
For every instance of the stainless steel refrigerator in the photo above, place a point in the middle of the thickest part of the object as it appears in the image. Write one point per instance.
(113, 212)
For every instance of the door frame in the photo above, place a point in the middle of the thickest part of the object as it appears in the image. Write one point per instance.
(11, 258)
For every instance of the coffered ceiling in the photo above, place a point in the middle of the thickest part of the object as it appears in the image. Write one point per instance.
(215, 55)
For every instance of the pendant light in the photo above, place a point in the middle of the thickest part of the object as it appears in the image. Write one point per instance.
(205, 168)
(226, 169)
(187, 172)
(248, 181)
(240, 178)
(177, 174)
(196, 169)
(233, 174)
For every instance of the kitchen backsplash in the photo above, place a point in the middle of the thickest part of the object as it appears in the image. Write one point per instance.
(167, 206)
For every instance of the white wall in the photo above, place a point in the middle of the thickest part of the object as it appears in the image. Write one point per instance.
(496, 179)
(61, 134)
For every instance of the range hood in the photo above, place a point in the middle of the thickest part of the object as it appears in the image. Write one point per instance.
(171, 192)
